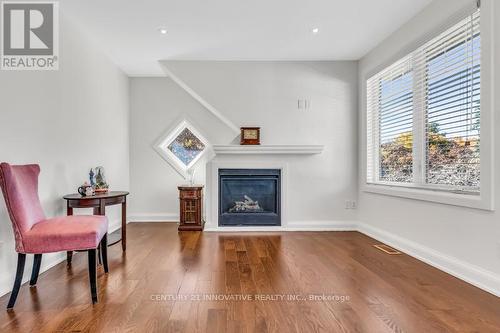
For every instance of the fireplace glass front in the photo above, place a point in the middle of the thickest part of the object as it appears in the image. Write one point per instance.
(249, 197)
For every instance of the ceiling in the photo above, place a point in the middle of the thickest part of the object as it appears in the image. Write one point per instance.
(236, 29)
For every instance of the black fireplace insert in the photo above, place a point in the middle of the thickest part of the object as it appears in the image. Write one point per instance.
(249, 197)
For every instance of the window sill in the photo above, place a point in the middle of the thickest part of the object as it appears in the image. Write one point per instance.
(449, 198)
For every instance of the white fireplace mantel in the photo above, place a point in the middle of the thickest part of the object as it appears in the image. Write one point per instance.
(268, 149)
(251, 157)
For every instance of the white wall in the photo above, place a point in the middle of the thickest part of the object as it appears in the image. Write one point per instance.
(67, 121)
(157, 105)
(254, 93)
(463, 241)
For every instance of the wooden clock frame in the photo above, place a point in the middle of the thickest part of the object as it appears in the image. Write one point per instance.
(255, 140)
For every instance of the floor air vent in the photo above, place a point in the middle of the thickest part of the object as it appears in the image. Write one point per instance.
(386, 248)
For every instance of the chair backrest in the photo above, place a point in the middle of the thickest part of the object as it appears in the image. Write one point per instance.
(20, 190)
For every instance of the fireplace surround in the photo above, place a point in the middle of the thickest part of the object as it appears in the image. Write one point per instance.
(278, 157)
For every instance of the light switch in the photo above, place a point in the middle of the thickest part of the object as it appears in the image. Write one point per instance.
(301, 104)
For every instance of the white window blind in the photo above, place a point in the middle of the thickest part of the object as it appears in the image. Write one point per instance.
(423, 114)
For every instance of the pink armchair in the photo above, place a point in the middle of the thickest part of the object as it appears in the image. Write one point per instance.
(35, 234)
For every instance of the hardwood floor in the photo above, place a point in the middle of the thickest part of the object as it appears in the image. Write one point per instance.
(375, 292)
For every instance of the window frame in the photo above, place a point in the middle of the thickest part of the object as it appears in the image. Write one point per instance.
(431, 192)
(161, 147)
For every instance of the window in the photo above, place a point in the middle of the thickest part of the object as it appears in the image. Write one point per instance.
(423, 114)
(182, 147)
(186, 147)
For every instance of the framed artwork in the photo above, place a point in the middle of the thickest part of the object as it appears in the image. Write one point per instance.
(182, 147)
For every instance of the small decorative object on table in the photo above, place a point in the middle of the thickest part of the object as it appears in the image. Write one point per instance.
(98, 185)
(86, 190)
(250, 136)
(100, 181)
(190, 176)
(191, 198)
(91, 177)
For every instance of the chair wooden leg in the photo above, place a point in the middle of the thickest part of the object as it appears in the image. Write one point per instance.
(69, 257)
(104, 252)
(99, 261)
(21, 260)
(36, 269)
(93, 274)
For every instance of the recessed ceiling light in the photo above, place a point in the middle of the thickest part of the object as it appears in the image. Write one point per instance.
(315, 31)
(162, 30)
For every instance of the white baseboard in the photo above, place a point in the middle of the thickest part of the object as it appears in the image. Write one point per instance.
(292, 226)
(321, 226)
(153, 217)
(477, 276)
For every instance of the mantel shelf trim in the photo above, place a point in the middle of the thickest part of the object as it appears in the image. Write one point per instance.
(268, 149)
